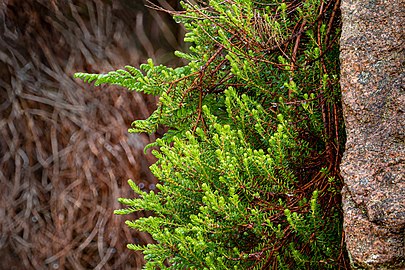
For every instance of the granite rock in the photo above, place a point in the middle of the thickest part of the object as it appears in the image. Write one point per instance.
(372, 81)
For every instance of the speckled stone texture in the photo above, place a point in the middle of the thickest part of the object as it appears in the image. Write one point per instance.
(372, 80)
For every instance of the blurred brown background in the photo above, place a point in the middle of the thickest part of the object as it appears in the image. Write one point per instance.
(65, 154)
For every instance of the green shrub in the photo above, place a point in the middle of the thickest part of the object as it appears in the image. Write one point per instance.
(249, 165)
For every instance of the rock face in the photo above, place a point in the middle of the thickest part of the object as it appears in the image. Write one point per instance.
(372, 80)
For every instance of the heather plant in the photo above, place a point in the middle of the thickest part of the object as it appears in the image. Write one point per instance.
(248, 168)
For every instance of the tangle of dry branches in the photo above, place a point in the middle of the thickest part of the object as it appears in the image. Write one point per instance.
(65, 153)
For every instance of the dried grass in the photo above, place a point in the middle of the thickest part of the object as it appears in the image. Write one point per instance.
(65, 153)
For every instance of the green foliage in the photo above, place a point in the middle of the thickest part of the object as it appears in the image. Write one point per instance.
(249, 166)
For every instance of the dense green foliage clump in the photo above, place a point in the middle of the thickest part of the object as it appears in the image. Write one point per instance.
(249, 165)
